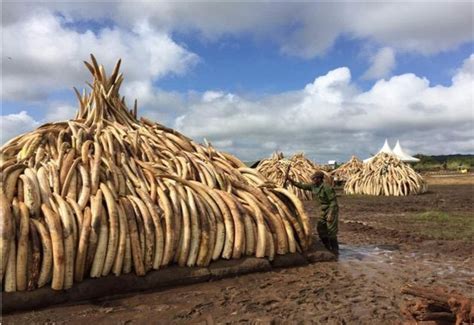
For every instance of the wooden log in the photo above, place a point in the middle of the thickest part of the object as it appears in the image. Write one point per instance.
(435, 295)
(439, 316)
(463, 308)
(440, 303)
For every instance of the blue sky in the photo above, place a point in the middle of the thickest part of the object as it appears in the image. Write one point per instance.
(331, 80)
(241, 65)
(244, 65)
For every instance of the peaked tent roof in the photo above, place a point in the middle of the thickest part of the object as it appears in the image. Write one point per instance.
(398, 151)
(385, 149)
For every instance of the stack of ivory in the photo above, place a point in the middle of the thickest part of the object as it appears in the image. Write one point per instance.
(343, 172)
(385, 175)
(109, 193)
(275, 168)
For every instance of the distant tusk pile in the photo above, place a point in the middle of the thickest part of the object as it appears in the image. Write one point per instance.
(108, 193)
(385, 175)
(275, 167)
(344, 172)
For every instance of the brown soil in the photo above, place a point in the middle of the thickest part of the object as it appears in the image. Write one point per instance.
(449, 178)
(381, 249)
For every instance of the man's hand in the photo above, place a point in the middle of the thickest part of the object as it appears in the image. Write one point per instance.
(330, 217)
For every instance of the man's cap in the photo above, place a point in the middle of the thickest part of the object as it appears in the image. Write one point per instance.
(318, 174)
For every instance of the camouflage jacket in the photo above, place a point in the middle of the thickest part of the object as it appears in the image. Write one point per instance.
(324, 193)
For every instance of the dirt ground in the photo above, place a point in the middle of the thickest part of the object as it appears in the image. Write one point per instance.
(385, 243)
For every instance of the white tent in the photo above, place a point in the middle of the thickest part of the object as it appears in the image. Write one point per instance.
(385, 149)
(398, 151)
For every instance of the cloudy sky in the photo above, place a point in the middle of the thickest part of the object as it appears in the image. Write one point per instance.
(329, 79)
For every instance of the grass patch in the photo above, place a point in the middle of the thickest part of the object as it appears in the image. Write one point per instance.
(436, 216)
(441, 225)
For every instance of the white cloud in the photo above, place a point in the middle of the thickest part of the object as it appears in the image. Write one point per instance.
(156, 104)
(44, 44)
(12, 125)
(59, 112)
(15, 124)
(210, 96)
(382, 64)
(227, 143)
(45, 56)
(305, 29)
(328, 118)
(331, 118)
(466, 71)
(310, 29)
(419, 27)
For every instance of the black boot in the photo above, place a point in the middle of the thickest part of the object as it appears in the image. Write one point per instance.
(327, 243)
(334, 245)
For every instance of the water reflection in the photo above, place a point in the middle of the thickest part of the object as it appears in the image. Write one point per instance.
(367, 252)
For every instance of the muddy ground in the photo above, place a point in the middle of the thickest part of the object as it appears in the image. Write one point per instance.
(385, 243)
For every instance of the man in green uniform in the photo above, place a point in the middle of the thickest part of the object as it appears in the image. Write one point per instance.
(328, 222)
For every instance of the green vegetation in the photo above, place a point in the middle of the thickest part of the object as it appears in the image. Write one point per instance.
(441, 225)
(441, 162)
(435, 216)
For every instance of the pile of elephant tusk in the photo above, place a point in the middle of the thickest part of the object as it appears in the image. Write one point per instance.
(385, 175)
(108, 193)
(343, 172)
(275, 168)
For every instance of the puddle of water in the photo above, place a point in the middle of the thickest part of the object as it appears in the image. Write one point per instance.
(373, 252)
(387, 254)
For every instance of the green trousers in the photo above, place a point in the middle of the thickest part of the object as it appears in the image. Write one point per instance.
(325, 228)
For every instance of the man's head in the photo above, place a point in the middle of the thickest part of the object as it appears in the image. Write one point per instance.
(318, 177)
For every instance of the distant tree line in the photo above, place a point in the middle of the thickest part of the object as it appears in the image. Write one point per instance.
(447, 162)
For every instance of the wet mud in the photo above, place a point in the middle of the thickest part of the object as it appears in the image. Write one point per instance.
(379, 254)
